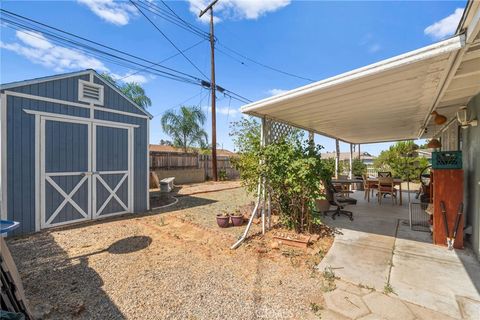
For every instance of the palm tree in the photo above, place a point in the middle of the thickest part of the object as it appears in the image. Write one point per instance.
(136, 93)
(185, 127)
(132, 90)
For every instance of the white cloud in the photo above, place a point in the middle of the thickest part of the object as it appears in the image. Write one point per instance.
(445, 27)
(274, 92)
(116, 12)
(38, 49)
(129, 77)
(226, 111)
(238, 9)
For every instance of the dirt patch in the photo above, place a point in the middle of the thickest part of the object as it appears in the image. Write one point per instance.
(175, 265)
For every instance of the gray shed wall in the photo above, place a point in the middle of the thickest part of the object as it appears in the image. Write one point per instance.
(21, 188)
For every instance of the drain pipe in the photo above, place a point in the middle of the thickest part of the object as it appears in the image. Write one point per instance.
(254, 213)
(260, 196)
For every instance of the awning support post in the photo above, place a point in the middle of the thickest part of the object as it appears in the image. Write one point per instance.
(337, 158)
(350, 173)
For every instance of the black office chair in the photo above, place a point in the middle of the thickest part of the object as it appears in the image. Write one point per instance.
(339, 202)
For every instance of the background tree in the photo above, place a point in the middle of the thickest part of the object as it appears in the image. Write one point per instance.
(246, 140)
(166, 142)
(185, 127)
(132, 90)
(402, 159)
(358, 167)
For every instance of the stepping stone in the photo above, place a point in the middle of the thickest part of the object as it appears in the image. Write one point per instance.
(469, 308)
(387, 307)
(372, 316)
(330, 315)
(352, 288)
(423, 313)
(346, 304)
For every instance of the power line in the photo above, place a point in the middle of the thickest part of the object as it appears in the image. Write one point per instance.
(22, 23)
(166, 59)
(93, 51)
(231, 56)
(265, 65)
(172, 17)
(168, 39)
(99, 44)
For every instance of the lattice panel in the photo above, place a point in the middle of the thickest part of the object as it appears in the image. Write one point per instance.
(274, 131)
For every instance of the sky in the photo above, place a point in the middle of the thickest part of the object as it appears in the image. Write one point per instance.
(310, 39)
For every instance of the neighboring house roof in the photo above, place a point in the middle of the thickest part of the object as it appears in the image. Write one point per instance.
(425, 153)
(346, 155)
(171, 149)
(15, 84)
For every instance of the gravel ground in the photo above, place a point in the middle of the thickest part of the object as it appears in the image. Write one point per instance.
(174, 264)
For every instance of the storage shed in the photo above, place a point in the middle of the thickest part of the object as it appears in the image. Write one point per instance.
(73, 148)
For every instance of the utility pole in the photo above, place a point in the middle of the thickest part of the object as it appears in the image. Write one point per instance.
(212, 87)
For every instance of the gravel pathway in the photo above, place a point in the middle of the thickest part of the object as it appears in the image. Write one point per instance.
(175, 264)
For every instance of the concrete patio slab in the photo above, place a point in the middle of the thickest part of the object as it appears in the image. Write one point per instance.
(435, 277)
(378, 247)
(387, 307)
(346, 265)
(345, 303)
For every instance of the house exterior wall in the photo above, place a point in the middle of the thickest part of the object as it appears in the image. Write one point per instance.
(450, 137)
(471, 166)
(21, 158)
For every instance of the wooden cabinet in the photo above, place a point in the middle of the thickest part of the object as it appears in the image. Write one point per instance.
(447, 187)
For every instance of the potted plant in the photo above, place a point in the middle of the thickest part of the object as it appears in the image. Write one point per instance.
(223, 219)
(237, 218)
(322, 204)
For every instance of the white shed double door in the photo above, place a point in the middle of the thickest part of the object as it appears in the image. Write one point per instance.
(85, 170)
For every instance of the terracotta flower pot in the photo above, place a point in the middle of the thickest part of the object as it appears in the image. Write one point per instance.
(322, 205)
(237, 220)
(223, 221)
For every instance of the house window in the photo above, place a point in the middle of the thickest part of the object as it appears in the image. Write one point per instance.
(90, 92)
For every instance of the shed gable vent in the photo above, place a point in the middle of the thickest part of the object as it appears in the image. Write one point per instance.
(90, 92)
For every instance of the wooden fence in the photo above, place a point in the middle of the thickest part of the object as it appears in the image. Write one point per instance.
(179, 161)
(169, 160)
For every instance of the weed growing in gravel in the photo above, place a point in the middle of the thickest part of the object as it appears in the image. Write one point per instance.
(366, 286)
(329, 274)
(321, 253)
(329, 278)
(388, 288)
(161, 222)
(316, 308)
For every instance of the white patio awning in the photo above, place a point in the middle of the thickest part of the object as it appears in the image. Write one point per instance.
(386, 101)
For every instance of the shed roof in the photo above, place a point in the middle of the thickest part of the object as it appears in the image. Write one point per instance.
(15, 84)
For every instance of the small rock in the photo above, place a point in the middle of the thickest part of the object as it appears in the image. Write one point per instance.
(262, 250)
(275, 245)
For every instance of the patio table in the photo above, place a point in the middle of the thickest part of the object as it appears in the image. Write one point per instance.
(396, 182)
(371, 181)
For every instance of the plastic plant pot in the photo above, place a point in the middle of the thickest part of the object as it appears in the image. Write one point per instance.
(223, 221)
(237, 220)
